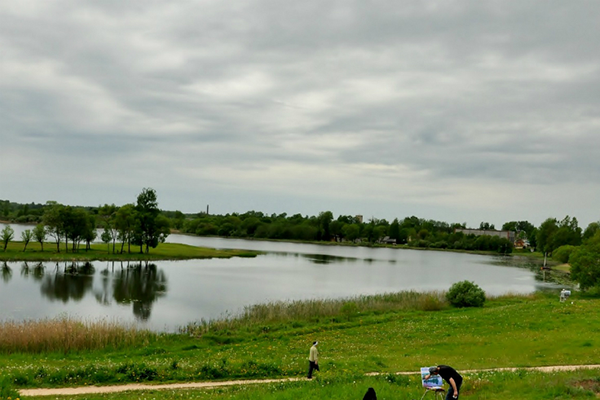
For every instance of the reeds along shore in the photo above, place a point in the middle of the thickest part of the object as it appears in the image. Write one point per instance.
(64, 334)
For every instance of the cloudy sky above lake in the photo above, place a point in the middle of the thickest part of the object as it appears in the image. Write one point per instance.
(460, 111)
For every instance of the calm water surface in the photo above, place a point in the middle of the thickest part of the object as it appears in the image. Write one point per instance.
(168, 294)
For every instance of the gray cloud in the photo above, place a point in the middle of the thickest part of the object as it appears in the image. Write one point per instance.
(460, 111)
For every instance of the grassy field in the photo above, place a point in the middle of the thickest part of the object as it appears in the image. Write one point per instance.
(356, 336)
(164, 251)
(521, 385)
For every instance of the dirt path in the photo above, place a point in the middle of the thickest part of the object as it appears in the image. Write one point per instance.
(205, 385)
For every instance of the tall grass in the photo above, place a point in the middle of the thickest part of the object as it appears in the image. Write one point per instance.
(316, 310)
(65, 334)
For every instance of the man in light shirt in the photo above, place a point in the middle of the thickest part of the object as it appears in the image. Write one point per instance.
(313, 359)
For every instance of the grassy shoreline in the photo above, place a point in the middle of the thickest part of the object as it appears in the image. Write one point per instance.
(101, 252)
(360, 337)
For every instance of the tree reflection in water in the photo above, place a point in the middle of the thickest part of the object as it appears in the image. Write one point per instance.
(141, 285)
(71, 283)
(6, 272)
(36, 272)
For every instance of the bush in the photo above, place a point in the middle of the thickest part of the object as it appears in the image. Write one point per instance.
(466, 294)
(563, 253)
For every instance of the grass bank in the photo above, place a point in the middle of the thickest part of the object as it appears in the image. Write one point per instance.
(102, 252)
(522, 385)
(362, 336)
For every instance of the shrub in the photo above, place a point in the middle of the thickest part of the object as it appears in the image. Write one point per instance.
(466, 294)
(563, 253)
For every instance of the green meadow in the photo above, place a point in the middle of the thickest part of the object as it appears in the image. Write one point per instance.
(383, 334)
(102, 252)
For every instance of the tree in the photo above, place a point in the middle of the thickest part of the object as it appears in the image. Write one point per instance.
(394, 232)
(486, 226)
(150, 229)
(106, 238)
(545, 233)
(324, 220)
(585, 263)
(7, 235)
(39, 234)
(90, 234)
(351, 232)
(466, 294)
(591, 230)
(26, 236)
(125, 219)
(568, 232)
(53, 221)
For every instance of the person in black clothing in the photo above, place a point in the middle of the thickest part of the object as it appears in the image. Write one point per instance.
(370, 395)
(450, 375)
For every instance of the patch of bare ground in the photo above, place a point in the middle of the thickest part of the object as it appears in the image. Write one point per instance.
(591, 384)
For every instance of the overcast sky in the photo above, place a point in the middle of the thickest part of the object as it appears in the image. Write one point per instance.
(459, 111)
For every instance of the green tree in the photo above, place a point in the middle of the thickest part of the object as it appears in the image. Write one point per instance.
(53, 221)
(486, 226)
(394, 232)
(590, 231)
(39, 234)
(466, 294)
(7, 235)
(125, 220)
(151, 227)
(545, 234)
(26, 237)
(90, 234)
(324, 220)
(351, 232)
(585, 263)
(106, 237)
(76, 225)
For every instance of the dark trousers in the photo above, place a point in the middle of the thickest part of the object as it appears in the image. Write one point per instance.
(312, 366)
(450, 392)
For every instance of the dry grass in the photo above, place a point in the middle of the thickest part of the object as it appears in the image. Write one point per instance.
(64, 334)
(310, 310)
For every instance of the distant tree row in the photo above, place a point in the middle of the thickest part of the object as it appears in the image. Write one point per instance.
(418, 232)
(118, 226)
(139, 224)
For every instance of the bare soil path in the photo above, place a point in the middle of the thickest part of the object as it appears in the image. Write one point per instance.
(206, 385)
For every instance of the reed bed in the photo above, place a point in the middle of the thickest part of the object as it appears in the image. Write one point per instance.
(65, 334)
(316, 310)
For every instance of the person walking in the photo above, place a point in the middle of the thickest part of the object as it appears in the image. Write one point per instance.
(313, 359)
(450, 375)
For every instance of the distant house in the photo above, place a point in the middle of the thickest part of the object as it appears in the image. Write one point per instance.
(387, 240)
(510, 235)
(521, 243)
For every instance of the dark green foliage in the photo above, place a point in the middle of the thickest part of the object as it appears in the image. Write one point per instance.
(6, 389)
(585, 265)
(563, 253)
(466, 294)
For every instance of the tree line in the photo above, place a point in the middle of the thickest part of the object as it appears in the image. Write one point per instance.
(140, 224)
(143, 224)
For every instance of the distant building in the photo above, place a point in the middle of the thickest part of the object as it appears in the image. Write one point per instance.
(359, 218)
(510, 235)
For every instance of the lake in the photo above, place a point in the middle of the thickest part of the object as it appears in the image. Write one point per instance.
(165, 295)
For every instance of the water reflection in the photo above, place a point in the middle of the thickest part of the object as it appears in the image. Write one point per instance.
(70, 282)
(327, 258)
(36, 272)
(140, 285)
(6, 272)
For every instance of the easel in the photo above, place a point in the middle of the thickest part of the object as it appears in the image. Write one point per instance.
(432, 385)
(437, 393)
